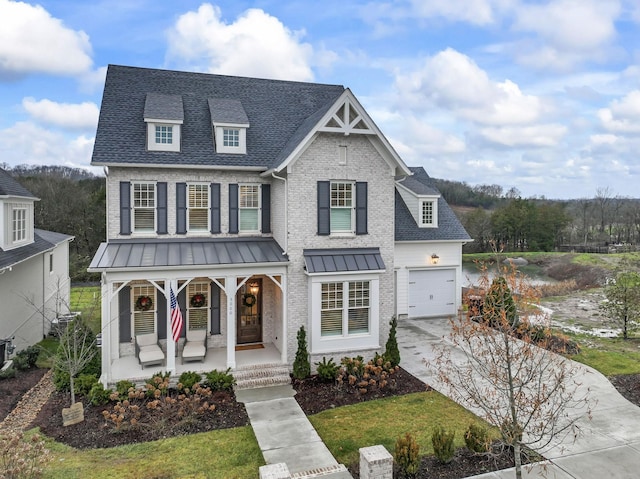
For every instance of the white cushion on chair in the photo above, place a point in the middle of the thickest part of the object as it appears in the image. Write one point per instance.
(196, 345)
(148, 350)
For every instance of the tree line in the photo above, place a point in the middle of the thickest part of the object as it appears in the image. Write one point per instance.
(539, 224)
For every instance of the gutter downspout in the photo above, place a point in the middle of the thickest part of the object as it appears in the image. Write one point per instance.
(286, 212)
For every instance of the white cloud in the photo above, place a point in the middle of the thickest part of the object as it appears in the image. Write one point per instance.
(525, 136)
(622, 116)
(453, 81)
(72, 116)
(27, 143)
(567, 32)
(476, 12)
(31, 40)
(256, 44)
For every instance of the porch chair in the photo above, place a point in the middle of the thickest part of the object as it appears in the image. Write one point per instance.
(195, 347)
(148, 349)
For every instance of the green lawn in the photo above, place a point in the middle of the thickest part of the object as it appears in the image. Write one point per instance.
(228, 453)
(86, 300)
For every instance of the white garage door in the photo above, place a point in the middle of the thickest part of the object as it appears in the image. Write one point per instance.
(432, 293)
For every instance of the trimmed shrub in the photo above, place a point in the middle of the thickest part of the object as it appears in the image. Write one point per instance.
(219, 380)
(301, 364)
(99, 396)
(189, 378)
(476, 438)
(392, 353)
(84, 383)
(327, 370)
(407, 456)
(366, 377)
(26, 358)
(442, 442)
(123, 387)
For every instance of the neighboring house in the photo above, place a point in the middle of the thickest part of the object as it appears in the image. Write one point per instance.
(264, 206)
(34, 270)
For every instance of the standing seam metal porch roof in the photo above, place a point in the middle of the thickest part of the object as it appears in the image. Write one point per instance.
(171, 252)
(343, 260)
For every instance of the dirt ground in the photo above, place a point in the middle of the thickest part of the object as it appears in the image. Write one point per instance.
(579, 311)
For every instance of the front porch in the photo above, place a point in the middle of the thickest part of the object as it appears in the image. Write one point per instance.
(128, 367)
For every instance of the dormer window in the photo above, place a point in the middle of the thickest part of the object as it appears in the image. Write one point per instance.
(18, 225)
(230, 124)
(163, 114)
(428, 213)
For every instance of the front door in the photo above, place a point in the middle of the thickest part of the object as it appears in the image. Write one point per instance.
(249, 301)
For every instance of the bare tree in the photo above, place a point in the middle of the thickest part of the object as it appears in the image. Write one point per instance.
(507, 375)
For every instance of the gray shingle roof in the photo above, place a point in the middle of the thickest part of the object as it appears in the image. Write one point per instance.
(163, 107)
(162, 253)
(343, 260)
(406, 229)
(43, 241)
(225, 110)
(277, 110)
(10, 187)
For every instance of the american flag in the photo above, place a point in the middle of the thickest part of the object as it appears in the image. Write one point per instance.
(176, 316)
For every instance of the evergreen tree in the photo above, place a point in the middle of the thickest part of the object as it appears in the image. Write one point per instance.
(302, 365)
(392, 353)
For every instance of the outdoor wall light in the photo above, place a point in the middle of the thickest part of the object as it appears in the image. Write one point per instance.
(253, 287)
(435, 258)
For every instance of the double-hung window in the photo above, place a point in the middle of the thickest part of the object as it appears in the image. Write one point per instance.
(428, 213)
(144, 308)
(249, 208)
(144, 207)
(342, 207)
(19, 224)
(198, 207)
(198, 305)
(345, 308)
(164, 134)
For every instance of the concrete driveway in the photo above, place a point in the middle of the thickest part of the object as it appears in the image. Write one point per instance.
(609, 446)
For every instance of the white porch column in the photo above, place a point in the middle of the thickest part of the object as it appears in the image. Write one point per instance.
(285, 320)
(171, 345)
(230, 288)
(106, 293)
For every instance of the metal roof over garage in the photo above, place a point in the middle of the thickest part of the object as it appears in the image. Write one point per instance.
(162, 253)
(343, 260)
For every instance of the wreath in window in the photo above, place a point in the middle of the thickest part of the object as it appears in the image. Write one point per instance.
(198, 300)
(144, 303)
(248, 300)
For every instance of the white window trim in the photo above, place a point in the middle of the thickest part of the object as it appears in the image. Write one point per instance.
(151, 136)
(240, 208)
(133, 208)
(208, 228)
(207, 307)
(332, 344)
(219, 128)
(154, 308)
(346, 233)
(9, 208)
(434, 202)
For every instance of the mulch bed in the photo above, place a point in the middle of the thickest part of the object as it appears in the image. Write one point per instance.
(313, 396)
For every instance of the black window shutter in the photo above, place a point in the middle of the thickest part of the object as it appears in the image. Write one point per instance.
(324, 207)
(233, 208)
(215, 208)
(361, 208)
(161, 207)
(181, 208)
(215, 308)
(266, 208)
(161, 315)
(124, 314)
(125, 208)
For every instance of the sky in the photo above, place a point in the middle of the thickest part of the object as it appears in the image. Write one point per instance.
(541, 96)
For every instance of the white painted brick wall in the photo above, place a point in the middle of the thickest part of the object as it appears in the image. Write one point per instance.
(375, 463)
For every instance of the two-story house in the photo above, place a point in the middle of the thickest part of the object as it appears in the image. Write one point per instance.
(34, 271)
(262, 206)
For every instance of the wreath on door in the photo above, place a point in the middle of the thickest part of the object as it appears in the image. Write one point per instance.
(248, 300)
(144, 303)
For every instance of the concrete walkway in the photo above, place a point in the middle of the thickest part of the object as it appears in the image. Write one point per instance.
(285, 435)
(609, 446)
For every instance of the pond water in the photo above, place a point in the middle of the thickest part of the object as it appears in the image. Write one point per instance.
(535, 273)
